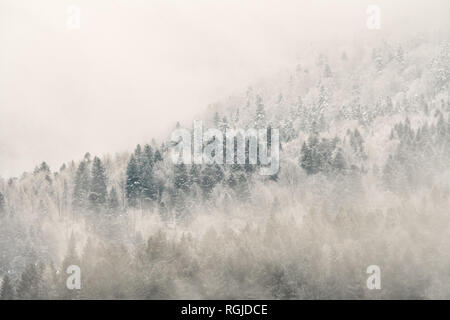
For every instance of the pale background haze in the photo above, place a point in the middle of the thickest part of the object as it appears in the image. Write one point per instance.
(135, 67)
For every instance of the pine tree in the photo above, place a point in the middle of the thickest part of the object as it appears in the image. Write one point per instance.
(182, 181)
(231, 181)
(65, 196)
(133, 182)
(260, 120)
(158, 156)
(82, 186)
(339, 163)
(223, 124)
(248, 167)
(87, 157)
(63, 167)
(2, 204)
(327, 71)
(149, 189)
(216, 119)
(211, 175)
(42, 168)
(306, 158)
(98, 188)
(139, 157)
(377, 59)
(29, 284)
(113, 200)
(195, 174)
(7, 290)
(236, 117)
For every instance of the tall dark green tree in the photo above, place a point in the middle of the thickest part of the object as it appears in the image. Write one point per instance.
(81, 186)
(158, 156)
(306, 159)
(212, 174)
(43, 167)
(182, 181)
(149, 188)
(98, 188)
(133, 183)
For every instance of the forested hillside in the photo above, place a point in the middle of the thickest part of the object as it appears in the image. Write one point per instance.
(363, 180)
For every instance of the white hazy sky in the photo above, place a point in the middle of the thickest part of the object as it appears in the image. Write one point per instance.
(136, 66)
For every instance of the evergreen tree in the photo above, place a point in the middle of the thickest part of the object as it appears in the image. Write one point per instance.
(7, 290)
(195, 174)
(307, 158)
(2, 204)
(43, 167)
(82, 186)
(98, 188)
(260, 120)
(212, 174)
(182, 181)
(63, 167)
(87, 157)
(339, 163)
(65, 196)
(139, 157)
(133, 182)
(113, 200)
(149, 188)
(231, 181)
(29, 284)
(216, 119)
(248, 167)
(377, 59)
(158, 156)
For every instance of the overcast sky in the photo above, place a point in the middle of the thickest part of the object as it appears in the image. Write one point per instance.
(136, 66)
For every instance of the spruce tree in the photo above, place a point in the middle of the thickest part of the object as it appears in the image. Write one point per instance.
(216, 120)
(158, 156)
(98, 188)
(30, 282)
(2, 204)
(306, 160)
(182, 181)
(260, 120)
(339, 163)
(113, 200)
(7, 290)
(133, 182)
(149, 189)
(81, 187)
(195, 174)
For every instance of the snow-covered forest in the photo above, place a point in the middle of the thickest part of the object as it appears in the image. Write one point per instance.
(363, 180)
